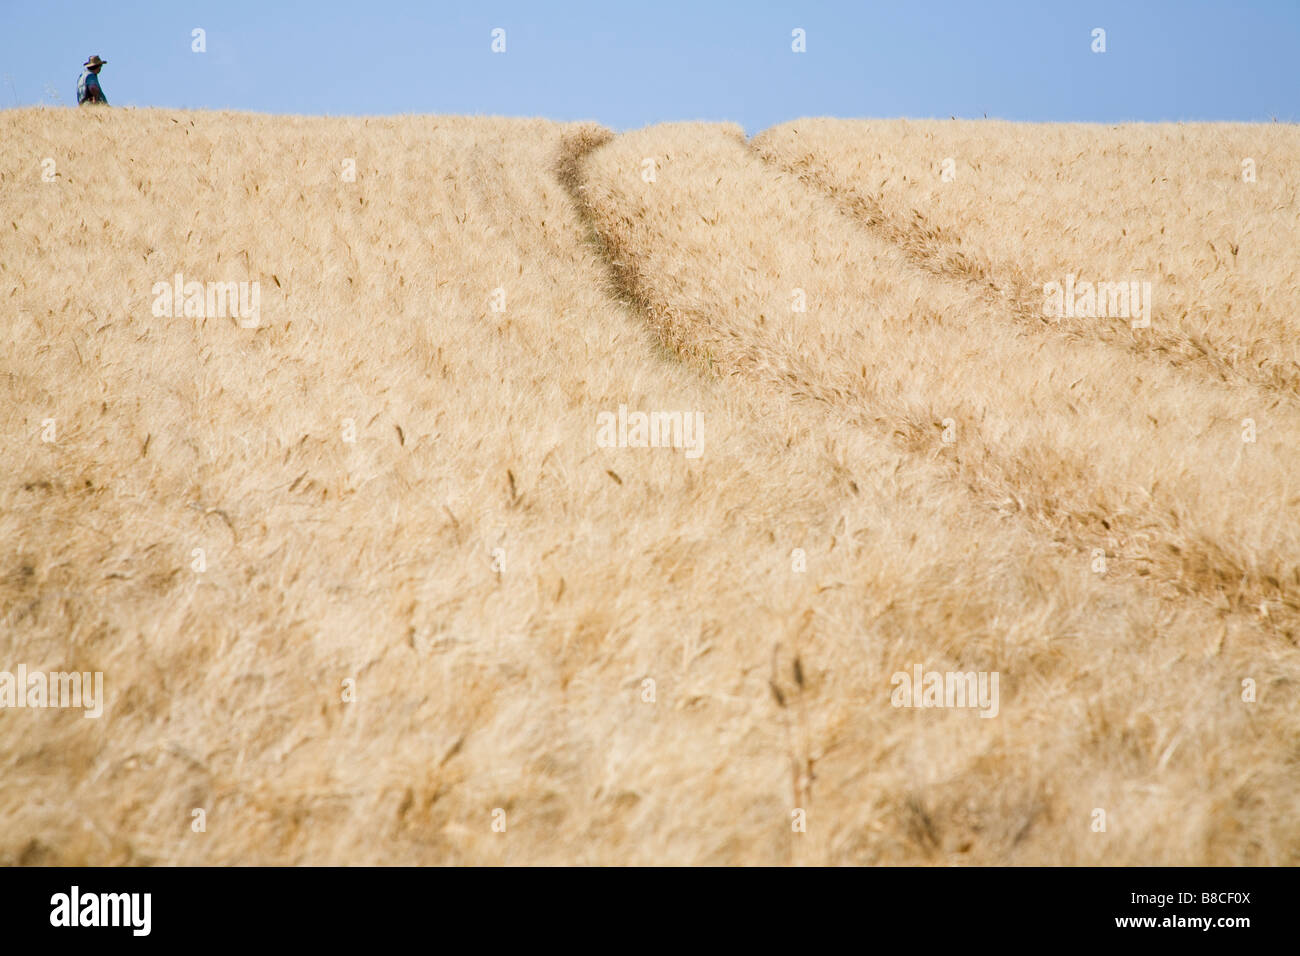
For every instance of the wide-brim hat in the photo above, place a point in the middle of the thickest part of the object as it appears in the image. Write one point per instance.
(94, 61)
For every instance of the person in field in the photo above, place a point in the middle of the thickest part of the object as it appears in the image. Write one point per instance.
(88, 89)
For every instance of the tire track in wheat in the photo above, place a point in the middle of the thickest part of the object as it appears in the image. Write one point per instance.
(941, 252)
(891, 349)
(1015, 815)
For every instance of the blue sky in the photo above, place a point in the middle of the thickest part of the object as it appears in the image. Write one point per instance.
(631, 64)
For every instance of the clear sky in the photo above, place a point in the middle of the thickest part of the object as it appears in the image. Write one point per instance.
(628, 64)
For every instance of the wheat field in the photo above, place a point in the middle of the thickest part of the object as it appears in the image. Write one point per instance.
(368, 584)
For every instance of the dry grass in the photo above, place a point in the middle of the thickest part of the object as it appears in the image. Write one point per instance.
(476, 430)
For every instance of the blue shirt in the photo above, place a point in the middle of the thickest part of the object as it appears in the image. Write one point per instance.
(88, 90)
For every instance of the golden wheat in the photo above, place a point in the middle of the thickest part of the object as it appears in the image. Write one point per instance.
(500, 588)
